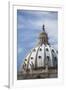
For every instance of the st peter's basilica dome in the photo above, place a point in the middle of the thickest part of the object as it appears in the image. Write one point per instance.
(43, 56)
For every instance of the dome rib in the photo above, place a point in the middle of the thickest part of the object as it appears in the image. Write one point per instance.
(50, 54)
(29, 59)
(36, 57)
(44, 56)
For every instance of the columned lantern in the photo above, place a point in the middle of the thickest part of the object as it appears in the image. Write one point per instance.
(43, 37)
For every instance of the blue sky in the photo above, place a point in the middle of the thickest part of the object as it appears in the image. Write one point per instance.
(29, 25)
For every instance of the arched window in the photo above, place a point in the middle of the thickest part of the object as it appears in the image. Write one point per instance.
(39, 57)
(31, 57)
(40, 49)
(48, 57)
(52, 50)
(46, 49)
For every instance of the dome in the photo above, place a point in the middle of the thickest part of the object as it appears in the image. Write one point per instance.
(42, 56)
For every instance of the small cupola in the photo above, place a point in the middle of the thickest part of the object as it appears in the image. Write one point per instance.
(43, 37)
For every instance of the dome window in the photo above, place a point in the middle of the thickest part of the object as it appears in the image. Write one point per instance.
(48, 57)
(46, 49)
(55, 58)
(39, 57)
(40, 49)
(31, 57)
(52, 50)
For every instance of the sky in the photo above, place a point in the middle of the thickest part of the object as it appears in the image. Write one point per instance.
(29, 25)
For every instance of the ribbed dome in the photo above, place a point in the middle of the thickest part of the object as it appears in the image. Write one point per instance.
(42, 55)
